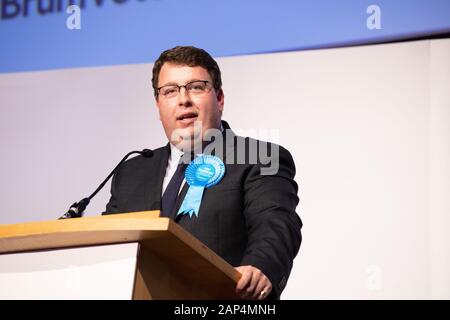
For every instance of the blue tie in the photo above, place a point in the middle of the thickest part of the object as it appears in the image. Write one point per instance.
(171, 194)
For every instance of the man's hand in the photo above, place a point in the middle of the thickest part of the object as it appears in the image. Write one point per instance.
(253, 283)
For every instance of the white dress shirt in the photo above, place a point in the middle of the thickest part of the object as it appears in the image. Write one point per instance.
(174, 159)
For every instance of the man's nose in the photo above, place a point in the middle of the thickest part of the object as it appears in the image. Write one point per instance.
(184, 99)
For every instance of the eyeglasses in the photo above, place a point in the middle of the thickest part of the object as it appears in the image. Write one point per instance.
(197, 88)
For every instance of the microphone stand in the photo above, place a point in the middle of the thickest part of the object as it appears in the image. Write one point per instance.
(76, 210)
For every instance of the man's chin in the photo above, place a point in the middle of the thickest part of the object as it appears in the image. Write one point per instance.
(189, 145)
(185, 139)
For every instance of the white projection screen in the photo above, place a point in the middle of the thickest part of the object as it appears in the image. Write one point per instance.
(368, 126)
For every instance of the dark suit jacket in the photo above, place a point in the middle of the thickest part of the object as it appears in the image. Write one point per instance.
(247, 218)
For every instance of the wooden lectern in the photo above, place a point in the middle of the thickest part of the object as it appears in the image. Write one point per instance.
(123, 256)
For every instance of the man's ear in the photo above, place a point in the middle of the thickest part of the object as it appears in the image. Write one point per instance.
(221, 99)
(158, 107)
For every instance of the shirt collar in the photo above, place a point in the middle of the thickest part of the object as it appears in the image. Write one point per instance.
(175, 153)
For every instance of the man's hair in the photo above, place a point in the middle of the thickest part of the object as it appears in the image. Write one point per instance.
(188, 56)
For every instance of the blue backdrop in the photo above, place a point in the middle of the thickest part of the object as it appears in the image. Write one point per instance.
(136, 31)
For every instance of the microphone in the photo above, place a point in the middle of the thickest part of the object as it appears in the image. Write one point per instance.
(76, 210)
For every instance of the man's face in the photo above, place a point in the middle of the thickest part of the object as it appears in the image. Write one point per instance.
(180, 112)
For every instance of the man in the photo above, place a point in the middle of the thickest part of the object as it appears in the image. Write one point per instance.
(246, 217)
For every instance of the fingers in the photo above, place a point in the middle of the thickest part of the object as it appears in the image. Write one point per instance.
(264, 292)
(260, 289)
(263, 288)
(252, 283)
(254, 280)
(245, 279)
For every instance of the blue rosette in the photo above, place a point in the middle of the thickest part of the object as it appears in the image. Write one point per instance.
(203, 172)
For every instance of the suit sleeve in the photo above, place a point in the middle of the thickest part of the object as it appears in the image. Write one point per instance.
(273, 225)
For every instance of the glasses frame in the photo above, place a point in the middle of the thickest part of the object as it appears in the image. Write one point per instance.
(185, 86)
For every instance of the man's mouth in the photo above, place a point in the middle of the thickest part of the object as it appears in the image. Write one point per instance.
(188, 117)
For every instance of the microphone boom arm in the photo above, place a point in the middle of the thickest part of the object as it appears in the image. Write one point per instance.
(76, 210)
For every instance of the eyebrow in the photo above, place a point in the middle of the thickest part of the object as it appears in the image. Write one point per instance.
(172, 83)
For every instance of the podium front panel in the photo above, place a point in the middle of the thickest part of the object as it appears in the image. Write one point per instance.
(95, 272)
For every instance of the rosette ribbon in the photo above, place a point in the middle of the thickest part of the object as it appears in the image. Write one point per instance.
(203, 172)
